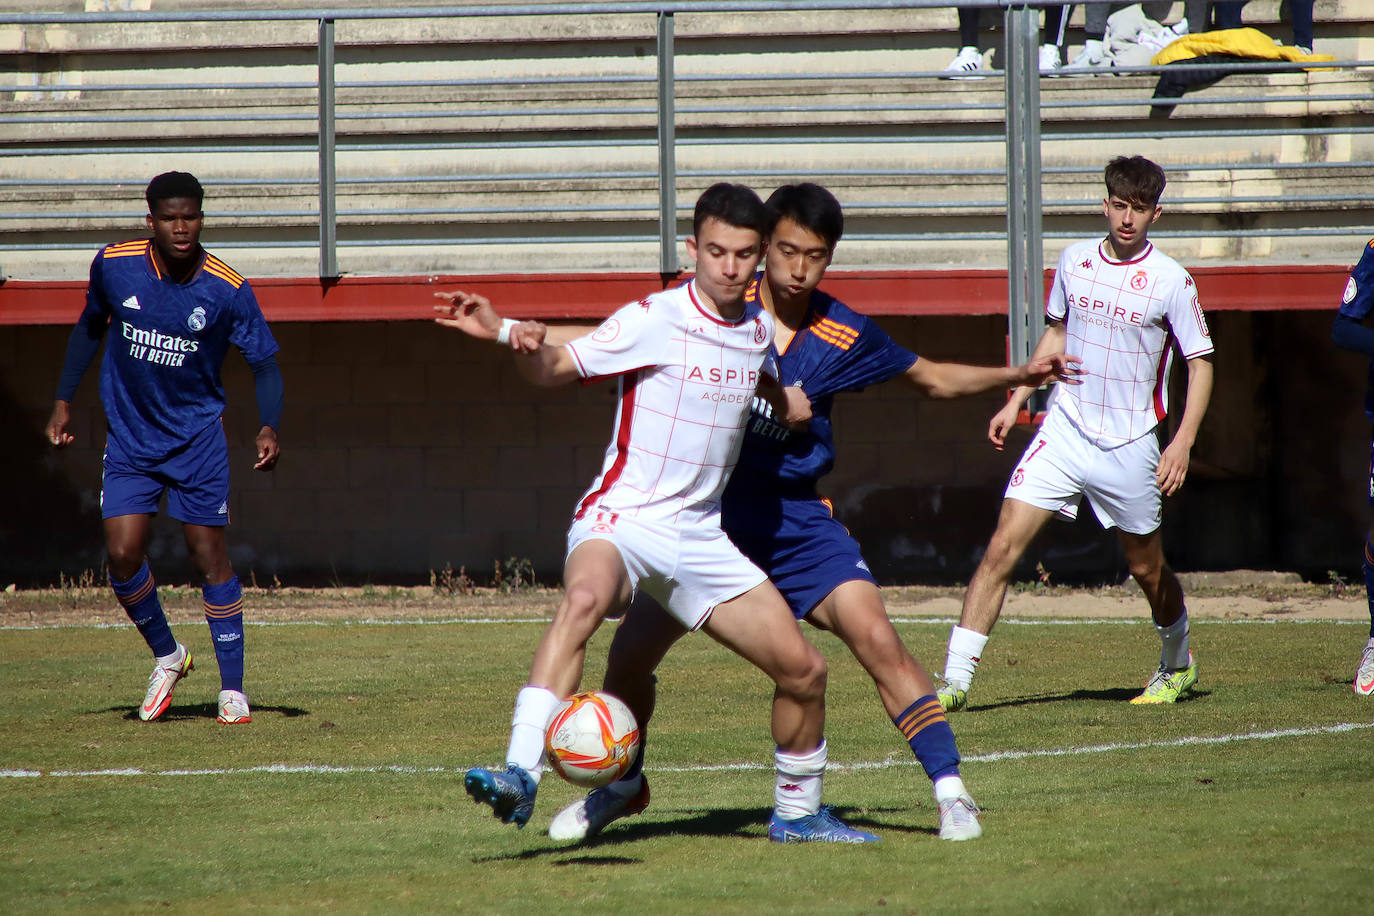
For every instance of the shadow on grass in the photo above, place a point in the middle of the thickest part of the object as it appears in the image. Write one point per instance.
(1109, 695)
(745, 823)
(193, 711)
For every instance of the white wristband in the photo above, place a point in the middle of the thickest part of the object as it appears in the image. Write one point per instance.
(503, 335)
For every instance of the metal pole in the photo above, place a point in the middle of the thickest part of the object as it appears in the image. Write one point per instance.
(667, 151)
(329, 255)
(1025, 233)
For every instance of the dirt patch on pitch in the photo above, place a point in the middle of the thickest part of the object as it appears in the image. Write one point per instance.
(1226, 596)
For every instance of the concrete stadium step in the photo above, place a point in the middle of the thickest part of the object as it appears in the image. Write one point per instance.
(546, 125)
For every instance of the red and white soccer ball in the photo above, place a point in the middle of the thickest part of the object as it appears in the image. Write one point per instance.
(593, 739)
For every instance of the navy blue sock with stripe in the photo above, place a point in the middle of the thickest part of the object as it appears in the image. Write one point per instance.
(139, 598)
(926, 729)
(1369, 582)
(224, 614)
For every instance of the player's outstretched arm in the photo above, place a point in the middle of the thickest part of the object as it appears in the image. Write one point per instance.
(957, 380)
(1173, 461)
(474, 315)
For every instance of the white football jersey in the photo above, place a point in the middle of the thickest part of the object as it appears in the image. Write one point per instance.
(687, 380)
(1123, 318)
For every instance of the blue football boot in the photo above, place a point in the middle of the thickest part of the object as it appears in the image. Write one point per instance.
(821, 827)
(510, 792)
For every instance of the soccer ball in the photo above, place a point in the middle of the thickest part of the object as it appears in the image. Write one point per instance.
(592, 739)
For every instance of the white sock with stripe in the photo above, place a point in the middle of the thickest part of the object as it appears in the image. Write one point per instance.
(965, 649)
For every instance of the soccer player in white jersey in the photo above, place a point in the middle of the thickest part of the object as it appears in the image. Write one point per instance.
(1122, 306)
(689, 361)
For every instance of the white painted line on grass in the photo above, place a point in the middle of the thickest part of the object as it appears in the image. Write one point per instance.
(995, 756)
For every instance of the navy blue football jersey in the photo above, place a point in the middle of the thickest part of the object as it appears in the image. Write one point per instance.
(836, 350)
(160, 378)
(1356, 303)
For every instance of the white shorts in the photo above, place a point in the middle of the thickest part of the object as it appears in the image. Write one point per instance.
(687, 570)
(1060, 466)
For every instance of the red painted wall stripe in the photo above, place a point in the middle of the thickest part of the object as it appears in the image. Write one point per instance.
(593, 296)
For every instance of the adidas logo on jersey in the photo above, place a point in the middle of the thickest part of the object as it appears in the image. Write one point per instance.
(131, 303)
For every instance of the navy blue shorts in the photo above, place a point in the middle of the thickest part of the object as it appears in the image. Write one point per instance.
(803, 549)
(195, 478)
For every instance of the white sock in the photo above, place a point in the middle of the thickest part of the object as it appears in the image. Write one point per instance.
(534, 707)
(948, 788)
(1174, 651)
(798, 790)
(176, 658)
(965, 648)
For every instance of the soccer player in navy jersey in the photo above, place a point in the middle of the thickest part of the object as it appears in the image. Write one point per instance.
(773, 511)
(1349, 331)
(174, 309)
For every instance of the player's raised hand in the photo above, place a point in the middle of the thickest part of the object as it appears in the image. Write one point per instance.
(268, 449)
(1052, 367)
(468, 312)
(1002, 421)
(1173, 467)
(56, 430)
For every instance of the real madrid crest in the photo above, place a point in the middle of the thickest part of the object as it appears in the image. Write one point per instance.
(196, 320)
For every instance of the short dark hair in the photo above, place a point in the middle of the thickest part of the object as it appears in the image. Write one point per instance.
(1135, 180)
(734, 205)
(173, 184)
(811, 207)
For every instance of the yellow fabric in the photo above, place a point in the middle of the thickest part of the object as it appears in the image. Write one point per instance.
(1250, 43)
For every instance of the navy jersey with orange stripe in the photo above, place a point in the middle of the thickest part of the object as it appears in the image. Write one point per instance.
(160, 378)
(836, 350)
(770, 508)
(1356, 304)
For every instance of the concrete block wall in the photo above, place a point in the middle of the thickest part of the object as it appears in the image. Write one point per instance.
(407, 449)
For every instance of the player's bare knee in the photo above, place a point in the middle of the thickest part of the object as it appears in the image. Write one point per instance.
(1149, 572)
(582, 605)
(1000, 558)
(124, 560)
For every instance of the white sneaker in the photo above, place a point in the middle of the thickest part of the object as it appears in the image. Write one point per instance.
(1049, 58)
(1092, 57)
(233, 708)
(965, 65)
(959, 819)
(590, 815)
(161, 683)
(1364, 675)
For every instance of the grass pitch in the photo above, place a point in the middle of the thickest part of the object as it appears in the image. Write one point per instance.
(345, 793)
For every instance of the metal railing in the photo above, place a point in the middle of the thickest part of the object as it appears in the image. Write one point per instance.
(318, 132)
